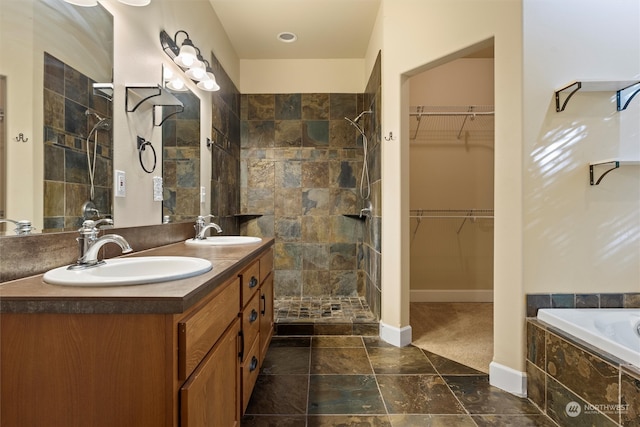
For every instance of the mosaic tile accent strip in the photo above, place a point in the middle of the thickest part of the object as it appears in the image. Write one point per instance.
(601, 300)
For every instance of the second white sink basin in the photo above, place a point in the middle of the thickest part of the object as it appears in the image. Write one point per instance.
(224, 241)
(130, 271)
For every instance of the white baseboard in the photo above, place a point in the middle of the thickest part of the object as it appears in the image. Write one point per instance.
(400, 337)
(454, 295)
(507, 379)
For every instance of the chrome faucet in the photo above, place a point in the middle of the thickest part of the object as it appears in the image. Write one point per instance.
(89, 244)
(22, 227)
(201, 228)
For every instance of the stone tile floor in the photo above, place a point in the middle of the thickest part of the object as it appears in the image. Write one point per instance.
(338, 380)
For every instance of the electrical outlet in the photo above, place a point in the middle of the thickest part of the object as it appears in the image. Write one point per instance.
(120, 184)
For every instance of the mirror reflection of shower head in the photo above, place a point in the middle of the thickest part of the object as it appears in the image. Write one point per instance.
(103, 122)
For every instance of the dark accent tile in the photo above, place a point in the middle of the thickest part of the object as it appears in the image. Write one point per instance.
(344, 394)
(563, 300)
(417, 394)
(294, 329)
(274, 421)
(587, 301)
(315, 106)
(315, 133)
(348, 421)
(402, 361)
(536, 344)
(446, 366)
(631, 300)
(479, 397)
(53, 74)
(344, 361)
(536, 383)
(567, 409)
(288, 106)
(268, 392)
(589, 376)
(630, 398)
(611, 300)
(261, 107)
(513, 420)
(536, 301)
(286, 360)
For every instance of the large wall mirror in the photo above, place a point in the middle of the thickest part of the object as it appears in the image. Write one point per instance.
(181, 160)
(51, 54)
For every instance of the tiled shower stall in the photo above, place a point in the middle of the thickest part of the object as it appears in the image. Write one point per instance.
(300, 165)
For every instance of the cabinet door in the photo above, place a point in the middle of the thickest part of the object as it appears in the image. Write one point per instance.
(211, 396)
(266, 315)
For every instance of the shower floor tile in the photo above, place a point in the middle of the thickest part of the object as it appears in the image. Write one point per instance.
(324, 316)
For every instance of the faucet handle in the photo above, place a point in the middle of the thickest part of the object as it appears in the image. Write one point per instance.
(201, 218)
(90, 226)
(22, 226)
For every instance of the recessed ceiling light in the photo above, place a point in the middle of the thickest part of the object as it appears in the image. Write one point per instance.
(287, 37)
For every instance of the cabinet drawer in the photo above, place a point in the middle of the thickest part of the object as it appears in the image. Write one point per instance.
(199, 331)
(250, 370)
(250, 279)
(266, 264)
(251, 321)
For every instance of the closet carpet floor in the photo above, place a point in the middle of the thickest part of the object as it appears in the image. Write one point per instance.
(361, 381)
(461, 331)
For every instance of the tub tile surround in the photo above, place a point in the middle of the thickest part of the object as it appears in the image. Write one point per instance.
(301, 164)
(599, 300)
(574, 383)
(67, 95)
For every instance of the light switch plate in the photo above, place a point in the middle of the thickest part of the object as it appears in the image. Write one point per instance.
(120, 184)
(157, 188)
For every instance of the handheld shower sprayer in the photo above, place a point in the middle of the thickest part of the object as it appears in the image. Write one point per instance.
(365, 184)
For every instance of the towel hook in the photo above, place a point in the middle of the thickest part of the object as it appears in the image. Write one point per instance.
(21, 137)
(390, 138)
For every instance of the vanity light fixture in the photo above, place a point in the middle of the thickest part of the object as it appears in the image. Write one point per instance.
(189, 59)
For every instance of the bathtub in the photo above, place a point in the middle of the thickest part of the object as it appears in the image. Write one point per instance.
(613, 330)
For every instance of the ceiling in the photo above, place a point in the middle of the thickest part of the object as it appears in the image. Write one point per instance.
(324, 28)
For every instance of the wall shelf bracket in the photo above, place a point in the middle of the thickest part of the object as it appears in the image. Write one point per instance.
(625, 91)
(611, 165)
(157, 97)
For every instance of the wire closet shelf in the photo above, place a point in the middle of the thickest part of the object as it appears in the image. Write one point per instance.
(430, 120)
(464, 214)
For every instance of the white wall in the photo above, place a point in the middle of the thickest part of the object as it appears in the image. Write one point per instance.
(138, 59)
(422, 34)
(577, 237)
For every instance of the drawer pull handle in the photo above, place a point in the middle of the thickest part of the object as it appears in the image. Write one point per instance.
(253, 316)
(254, 364)
(253, 282)
(264, 300)
(241, 353)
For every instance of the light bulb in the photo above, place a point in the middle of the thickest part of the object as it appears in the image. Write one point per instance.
(209, 84)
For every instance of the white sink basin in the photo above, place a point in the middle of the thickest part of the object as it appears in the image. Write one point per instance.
(223, 241)
(130, 271)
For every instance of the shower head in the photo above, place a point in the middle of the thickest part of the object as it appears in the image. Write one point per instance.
(359, 116)
(103, 123)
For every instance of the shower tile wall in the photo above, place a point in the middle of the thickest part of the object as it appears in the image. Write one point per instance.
(225, 151)
(300, 166)
(181, 161)
(67, 95)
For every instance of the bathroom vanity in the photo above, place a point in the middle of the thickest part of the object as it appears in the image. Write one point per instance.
(178, 353)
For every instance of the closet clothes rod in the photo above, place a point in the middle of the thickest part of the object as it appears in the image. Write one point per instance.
(471, 214)
(452, 113)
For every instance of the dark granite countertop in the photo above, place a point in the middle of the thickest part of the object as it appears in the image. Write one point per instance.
(33, 295)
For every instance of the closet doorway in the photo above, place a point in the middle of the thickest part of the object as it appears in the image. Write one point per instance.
(451, 137)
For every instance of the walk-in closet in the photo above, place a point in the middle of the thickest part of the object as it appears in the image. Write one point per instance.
(451, 209)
